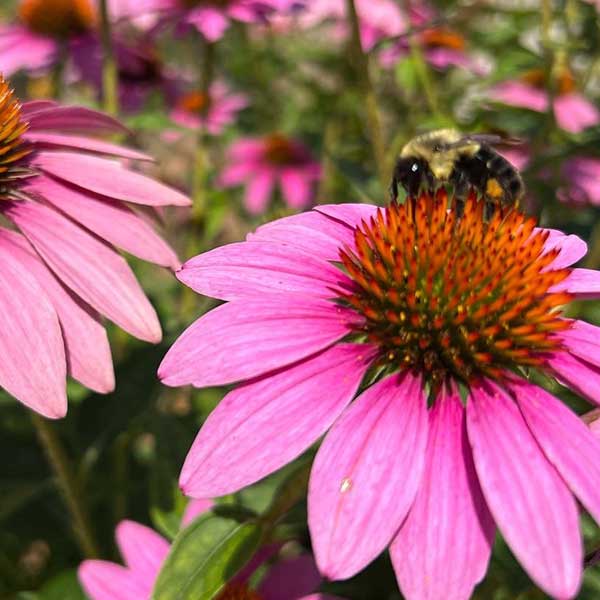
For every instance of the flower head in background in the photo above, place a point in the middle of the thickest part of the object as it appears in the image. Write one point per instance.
(263, 162)
(70, 199)
(211, 112)
(572, 110)
(582, 173)
(144, 552)
(439, 317)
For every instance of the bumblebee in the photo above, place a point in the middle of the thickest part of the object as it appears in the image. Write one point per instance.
(467, 162)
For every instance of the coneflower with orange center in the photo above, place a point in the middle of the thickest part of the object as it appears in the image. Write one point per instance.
(409, 336)
(69, 198)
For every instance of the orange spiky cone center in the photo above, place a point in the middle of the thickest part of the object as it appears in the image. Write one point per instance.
(12, 147)
(238, 591)
(58, 18)
(195, 102)
(455, 297)
(440, 37)
(279, 150)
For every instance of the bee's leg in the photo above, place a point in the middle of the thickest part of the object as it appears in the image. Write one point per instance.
(461, 191)
(393, 190)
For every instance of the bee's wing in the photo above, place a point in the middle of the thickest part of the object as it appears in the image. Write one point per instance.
(486, 138)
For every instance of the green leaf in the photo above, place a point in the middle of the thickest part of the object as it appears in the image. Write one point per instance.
(205, 556)
(64, 586)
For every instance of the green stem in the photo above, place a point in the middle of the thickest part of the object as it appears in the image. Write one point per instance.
(67, 484)
(110, 75)
(361, 61)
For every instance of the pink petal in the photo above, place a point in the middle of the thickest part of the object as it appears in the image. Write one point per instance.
(266, 423)
(352, 214)
(86, 343)
(84, 143)
(566, 441)
(109, 219)
(312, 232)
(296, 188)
(28, 108)
(582, 283)
(572, 248)
(366, 474)
(252, 269)
(233, 175)
(89, 267)
(194, 509)
(290, 579)
(20, 48)
(210, 22)
(143, 550)
(102, 580)
(258, 191)
(247, 338)
(33, 368)
(583, 340)
(578, 374)
(74, 119)
(531, 505)
(522, 95)
(449, 522)
(574, 113)
(246, 150)
(109, 178)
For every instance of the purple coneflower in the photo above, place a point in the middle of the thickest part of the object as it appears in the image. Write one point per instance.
(144, 552)
(406, 335)
(68, 205)
(263, 162)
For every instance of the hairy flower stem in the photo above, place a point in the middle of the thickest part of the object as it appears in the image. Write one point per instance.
(68, 485)
(110, 96)
(361, 62)
(200, 167)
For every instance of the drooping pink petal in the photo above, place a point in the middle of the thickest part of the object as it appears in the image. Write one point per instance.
(252, 269)
(579, 374)
(258, 190)
(142, 549)
(572, 248)
(109, 219)
(582, 283)
(296, 188)
(86, 343)
(210, 22)
(74, 119)
(246, 338)
(531, 504)
(449, 522)
(28, 108)
(366, 474)
(89, 267)
(194, 509)
(76, 142)
(266, 423)
(33, 366)
(109, 178)
(311, 231)
(20, 48)
(104, 580)
(574, 112)
(236, 173)
(290, 579)
(583, 340)
(523, 95)
(566, 441)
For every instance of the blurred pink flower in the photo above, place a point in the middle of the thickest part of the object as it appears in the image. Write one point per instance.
(141, 71)
(378, 19)
(582, 176)
(60, 271)
(262, 162)
(196, 110)
(572, 110)
(144, 552)
(43, 27)
(424, 303)
(210, 17)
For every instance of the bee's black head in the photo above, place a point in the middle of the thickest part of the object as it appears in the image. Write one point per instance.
(412, 173)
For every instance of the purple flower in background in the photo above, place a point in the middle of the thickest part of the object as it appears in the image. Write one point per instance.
(583, 176)
(70, 199)
(438, 317)
(144, 552)
(211, 112)
(572, 110)
(260, 163)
